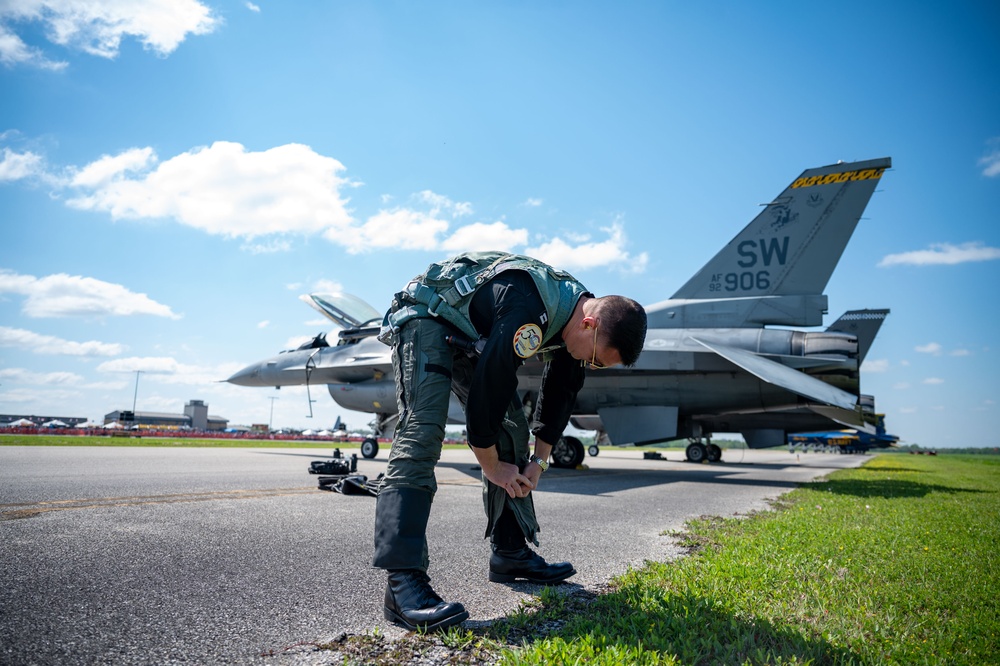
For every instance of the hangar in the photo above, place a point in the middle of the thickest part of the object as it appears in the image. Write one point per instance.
(195, 417)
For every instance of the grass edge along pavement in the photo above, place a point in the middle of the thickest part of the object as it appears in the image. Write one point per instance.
(894, 562)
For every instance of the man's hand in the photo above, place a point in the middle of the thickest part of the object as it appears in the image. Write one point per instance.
(502, 474)
(508, 477)
(534, 473)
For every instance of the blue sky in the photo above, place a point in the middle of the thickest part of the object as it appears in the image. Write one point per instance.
(174, 175)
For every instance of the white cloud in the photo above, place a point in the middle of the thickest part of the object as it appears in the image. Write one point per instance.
(13, 51)
(269, 246)
(98, 28)
(439, 202)
(933, 381)
(991, 162)
(48, 344)
(252, 7)
(64, 295)
(960, 352)
(532, 202)
(69, 380)
(481, 236)
(298, 341)
(586, 254)
(229, 191)
(111, 167)
(39, 400)
(267, 196)
(327, 287)
(943, 253)
(929, 348)
(166, 370)
(17, 166)
(22, 376)
(400, 227)
(151, 364)
(264, 324)
(875, 365)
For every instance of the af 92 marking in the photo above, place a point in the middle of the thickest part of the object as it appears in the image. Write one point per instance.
(743, 281)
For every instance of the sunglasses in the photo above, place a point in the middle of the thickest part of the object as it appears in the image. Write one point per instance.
(594, 364)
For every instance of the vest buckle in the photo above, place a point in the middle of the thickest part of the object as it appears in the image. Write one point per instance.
(465, 286)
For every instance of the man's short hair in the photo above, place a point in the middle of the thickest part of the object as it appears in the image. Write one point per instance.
(623, 326)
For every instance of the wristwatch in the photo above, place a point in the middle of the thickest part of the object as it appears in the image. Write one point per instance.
(538, 461)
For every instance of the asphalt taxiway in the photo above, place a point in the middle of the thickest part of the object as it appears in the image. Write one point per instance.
(148, 555)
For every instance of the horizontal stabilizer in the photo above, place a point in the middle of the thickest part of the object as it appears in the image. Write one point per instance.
(787, 378)
(863, 324)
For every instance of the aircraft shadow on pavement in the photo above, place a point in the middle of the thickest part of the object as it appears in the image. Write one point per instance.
(598, 482)
(319, 454)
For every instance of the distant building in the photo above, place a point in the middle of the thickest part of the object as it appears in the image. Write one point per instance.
(195, 416)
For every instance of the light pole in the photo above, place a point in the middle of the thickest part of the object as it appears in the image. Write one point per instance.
(271, 418)
(135, 395)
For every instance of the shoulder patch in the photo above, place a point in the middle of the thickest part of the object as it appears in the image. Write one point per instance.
(527, 340)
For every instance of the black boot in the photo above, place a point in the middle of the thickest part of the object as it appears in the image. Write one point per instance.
(401, 516)
(506, 566)
(411, 602)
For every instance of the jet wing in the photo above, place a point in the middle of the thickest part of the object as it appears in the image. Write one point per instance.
(851, 419)
(779, 375)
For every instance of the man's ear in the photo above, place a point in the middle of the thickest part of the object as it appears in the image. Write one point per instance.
(590, 321)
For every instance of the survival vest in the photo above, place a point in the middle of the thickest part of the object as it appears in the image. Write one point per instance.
(446, 289)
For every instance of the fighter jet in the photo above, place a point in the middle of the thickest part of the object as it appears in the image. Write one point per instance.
(712, 361)
(847, 440)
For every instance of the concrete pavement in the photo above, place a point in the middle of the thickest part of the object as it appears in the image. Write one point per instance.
(146, 555)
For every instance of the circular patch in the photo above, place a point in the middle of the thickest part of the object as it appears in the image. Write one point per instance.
(527, 340)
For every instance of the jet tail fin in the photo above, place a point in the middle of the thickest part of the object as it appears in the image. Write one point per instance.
(775, 270)
(864, 324)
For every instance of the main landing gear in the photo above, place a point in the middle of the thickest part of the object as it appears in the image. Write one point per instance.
(698, 451)
(567, 453)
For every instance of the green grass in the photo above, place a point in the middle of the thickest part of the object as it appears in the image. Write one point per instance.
(188, 442)
(897, 562)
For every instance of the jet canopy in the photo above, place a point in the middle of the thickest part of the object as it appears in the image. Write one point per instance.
(344, 310)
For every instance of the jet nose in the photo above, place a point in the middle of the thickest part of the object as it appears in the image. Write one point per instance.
(248, 376)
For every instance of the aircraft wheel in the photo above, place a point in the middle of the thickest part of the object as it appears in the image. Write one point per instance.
(593, 450)
(567, 453)
(696, 452)
(714, 453)
(369, 447)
